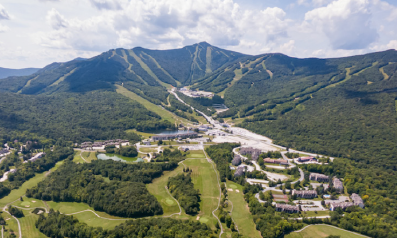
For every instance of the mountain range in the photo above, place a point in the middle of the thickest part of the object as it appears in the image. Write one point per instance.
(5, 72)
(341, 106)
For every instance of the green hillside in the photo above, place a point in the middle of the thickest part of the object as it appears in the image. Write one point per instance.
(140, 68)
(338, 107)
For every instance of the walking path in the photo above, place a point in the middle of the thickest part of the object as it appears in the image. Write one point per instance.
(180, 209)
(88, 210)
(19, 224)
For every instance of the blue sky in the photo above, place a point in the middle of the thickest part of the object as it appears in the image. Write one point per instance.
(34, 33)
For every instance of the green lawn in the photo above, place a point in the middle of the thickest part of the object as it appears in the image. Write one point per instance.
(17, 193)
(166, 115)
(147, 149)
(89, 156)
(157, 188)
(28, 226)
(77, 158)
(196, 154)
(241, 214)
(92, 220)
(319, 231)
(27, 223)
(11, 224)
(205, 179)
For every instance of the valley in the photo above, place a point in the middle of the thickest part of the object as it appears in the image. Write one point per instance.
(300, 142)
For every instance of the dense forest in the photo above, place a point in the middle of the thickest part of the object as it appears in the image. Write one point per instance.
(97, 115)
(182, 188)
(57, 225)
(123, 194)
(168, 155)
(128, 151)
(222, 155)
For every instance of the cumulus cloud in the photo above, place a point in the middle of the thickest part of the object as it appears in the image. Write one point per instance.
(165, 24)
(4, 15)
(56, 20)
(346, 23)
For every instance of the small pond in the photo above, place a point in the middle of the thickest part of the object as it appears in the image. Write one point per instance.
(116, 157)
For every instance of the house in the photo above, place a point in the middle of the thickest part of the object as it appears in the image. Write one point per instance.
(4, 152)
(338, 185)
(239, 172)
(276, 161)
(310, 159)
(36, 157)
(342, 205)
(146, 142)
(248, 168)
(236, 160)
(319, 177)
(357, 200)
(286, 208)
(252, 151)
(305, 193)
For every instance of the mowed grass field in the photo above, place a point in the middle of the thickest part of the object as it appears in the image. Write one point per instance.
(28, 222)
(196, 154)
(17, 193)
(166, 115)
(241, 214)
(89, 156)
(157, 188)
(28, 225)
(205, 179)
(319, 231)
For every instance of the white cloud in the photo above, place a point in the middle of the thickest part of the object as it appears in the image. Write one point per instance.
(392, 44)
(56, 20)
(346, 23)
(164, 24)
(4, 15)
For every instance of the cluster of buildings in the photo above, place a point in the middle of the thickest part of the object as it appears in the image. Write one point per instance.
(280, 207)
(276, 161)
(242, 168)
(89, 144)
(175, 136)
(252, 151)
(305, 193)
(356, 201)
(196, 94)
(319, 177)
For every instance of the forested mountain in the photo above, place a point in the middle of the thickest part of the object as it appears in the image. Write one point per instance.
(137, 67)
(5, 72)
(340, 107)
